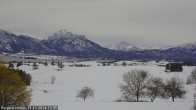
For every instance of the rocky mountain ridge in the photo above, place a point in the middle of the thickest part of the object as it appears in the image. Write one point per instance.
(66, 43)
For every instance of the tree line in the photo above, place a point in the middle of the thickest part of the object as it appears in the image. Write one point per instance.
(138, 84)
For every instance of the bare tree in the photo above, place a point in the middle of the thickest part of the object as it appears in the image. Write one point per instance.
(189, 80)
(60, 65)
(52, 63)
(174, 88)
(135, 82)
(53, 78)
(155, 88)
(34, 66)
(193, 75)
(85, 92)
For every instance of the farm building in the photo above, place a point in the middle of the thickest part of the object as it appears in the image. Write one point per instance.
(174, 67)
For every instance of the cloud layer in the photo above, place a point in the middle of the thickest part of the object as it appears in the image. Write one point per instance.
(141, 22)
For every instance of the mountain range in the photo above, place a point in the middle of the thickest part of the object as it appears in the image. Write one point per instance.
(66, 43)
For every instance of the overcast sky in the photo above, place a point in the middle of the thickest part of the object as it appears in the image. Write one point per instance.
(140, 22)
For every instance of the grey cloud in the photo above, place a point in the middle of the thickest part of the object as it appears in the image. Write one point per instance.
(142, 22)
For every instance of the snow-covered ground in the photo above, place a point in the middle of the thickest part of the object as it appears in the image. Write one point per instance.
(105, 81)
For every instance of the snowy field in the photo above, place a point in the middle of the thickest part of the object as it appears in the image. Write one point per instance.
(105, 81)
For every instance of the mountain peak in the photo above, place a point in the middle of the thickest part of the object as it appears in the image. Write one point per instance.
(67, 42)
(60, 34)
(63, 31)
(123, 43)
(65, 34)
(124, 46)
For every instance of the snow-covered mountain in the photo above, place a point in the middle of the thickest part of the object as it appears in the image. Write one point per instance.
(126, 47)
(181, 52)
(68, 43)
(12, 43)
(187, 46)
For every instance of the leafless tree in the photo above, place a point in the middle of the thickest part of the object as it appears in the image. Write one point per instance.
(52, 63)
(193, 75)
(155, 88)
(135, 82)
(174, 88)
(34, 66)
(60, 65)
(85, 92)
(53, 78)
(189, 80)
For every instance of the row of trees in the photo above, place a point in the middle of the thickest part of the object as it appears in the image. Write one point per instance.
(138, 84)
(59, 64)
(35, 66)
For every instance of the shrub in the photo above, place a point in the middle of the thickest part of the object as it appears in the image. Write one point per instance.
(34, 66)
(124, 64)
(45, 63)
(11, 65)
